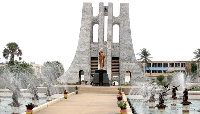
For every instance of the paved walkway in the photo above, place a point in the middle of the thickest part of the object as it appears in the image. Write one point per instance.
(85, 104)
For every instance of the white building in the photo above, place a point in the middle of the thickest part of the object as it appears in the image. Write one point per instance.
(37, 68)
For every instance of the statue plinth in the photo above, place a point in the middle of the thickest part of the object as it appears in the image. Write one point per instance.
(161, 106)
(101, 78)
(151, 104)
(186, 107)
(174, 98)
(186, 103)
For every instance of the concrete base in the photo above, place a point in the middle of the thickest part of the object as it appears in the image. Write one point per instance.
(35, 102)
(152, 105)
(49, 98)
(186, 109)
(101, 78)
(15, 110)
(173, 105)
(161, 111)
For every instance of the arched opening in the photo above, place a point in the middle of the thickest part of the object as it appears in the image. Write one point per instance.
(95, 33)
(105, 27)
(115, 83)
(116, 33)
(127, 77)
(116, 10)
(81, 77)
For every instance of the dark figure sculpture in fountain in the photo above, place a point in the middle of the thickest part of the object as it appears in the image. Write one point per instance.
(152, 97)
(174, 89)
(15, 102)
(35, 94)
(185, 97)
(48, 93)
(162, 99)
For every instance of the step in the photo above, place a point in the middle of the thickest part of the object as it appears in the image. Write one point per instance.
(98, 89)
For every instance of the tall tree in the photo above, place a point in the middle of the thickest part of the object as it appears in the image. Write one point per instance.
(11, 50)
(197, 55)
(145, 56)
(197, 58)
(52, 70)
(193, 67)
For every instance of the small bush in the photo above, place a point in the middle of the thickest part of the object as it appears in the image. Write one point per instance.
(195, 88)
(169, 78)
(160, 78)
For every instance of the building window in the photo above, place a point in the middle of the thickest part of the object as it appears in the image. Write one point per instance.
(149, 65)
(153, 71)
(154, 65)
(171, 64)
(148, 71)
(182, 64)
(159, 64)
(177, 64)
(165, 64)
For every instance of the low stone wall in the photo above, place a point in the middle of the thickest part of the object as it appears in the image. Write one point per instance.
(41, 91)
(128, 109)
(36, 109)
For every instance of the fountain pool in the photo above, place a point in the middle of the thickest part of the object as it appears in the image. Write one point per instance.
(143, 108)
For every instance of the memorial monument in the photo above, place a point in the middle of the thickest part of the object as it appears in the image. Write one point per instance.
(120, 57)
(101, 76)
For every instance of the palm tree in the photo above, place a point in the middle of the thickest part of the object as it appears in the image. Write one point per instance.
(11, 50)
(145, 57)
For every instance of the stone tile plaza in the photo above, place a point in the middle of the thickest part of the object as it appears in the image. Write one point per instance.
(103, 78)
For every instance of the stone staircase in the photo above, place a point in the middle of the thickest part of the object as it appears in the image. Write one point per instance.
(98, 90)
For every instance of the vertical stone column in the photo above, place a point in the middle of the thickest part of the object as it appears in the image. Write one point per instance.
(82, 57)
(101, 25)
(101, 30)
(109, 39)
(125, 47)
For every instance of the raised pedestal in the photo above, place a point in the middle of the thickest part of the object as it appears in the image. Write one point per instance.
(161, 111)
(101, 78)
(161, 108)
(49, 98)
(35, 102)
(186, 107)
(152, 104)
(15, 110)
(173, 105)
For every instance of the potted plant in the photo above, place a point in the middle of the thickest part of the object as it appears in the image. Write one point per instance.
(76, 89)
(119, 97)
(122, 106)
(65, 94)
(29, 108)
(120, 90)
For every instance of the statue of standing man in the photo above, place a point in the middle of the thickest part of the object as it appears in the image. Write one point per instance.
(101, 59)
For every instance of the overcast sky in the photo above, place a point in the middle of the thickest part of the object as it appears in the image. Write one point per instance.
(48, 30)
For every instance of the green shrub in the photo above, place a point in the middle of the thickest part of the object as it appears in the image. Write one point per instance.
(122, 105)
(160, 78)
(195, 88)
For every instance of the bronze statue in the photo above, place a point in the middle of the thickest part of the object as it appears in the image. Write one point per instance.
(174, 89)
(101, 59)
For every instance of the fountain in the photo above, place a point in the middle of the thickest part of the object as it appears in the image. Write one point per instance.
(167, 101)
(21, 88)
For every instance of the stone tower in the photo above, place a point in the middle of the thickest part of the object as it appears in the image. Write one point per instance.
(120, 57)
